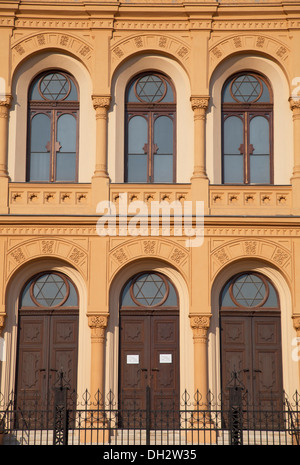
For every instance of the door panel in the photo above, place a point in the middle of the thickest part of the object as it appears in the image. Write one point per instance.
(267, 361)
(149, 359)
(46, 345)
(251, 347)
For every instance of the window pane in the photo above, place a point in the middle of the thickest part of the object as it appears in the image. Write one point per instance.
(233, 169)
(163, 168)
(260, 169)
(137, 168)
(137, 158)
(39, 155)
(66, 157)
(137, 134)
(163, 134)
(233, 135)
(260, 159)
(260, 135)
(233, 160)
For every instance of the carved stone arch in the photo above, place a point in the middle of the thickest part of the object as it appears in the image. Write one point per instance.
(23, 252)
(276, 253)
(256, 43)
(60, 41)
(163, 44)
(162, 249)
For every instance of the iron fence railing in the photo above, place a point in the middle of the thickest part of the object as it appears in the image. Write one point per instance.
(96, 420)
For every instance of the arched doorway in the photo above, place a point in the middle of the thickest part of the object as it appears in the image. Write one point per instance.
(250, 324)
(47, 339)
(149, 348)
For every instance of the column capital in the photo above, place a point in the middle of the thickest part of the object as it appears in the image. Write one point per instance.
(200, 324)
(5, 104)
(2, 322)
(295, 107)
(98, 324)
(101, 101)
(296, 322)
(199, 102)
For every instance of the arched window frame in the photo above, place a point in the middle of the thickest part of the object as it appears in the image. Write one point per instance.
(54, 109)
(150, 111)
(246, 112)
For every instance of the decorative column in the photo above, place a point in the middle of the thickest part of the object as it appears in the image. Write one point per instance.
(101, 104)
(200, 325)
(199, 106)
(98, 324)
(295, 107)
(5, 103)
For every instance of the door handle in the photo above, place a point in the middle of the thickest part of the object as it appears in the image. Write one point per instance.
(155, 369)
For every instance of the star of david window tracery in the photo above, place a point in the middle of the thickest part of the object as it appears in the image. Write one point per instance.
(249, 291)
(149, 290)
(49, 290)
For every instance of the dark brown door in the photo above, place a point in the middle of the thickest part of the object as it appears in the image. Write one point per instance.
(149, 366)
(47, 345)
(251, 348)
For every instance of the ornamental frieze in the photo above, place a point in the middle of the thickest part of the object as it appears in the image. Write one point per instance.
(246, 42)
(278, 254)
(161, 249)
(23, 252)
(64, 41)
(163, 43)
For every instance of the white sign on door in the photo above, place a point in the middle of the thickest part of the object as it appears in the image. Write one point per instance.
(165, 358)
(133, 359)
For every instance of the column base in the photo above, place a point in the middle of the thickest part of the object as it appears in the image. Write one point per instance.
(200, 191)
(100, 190)
(295, 195)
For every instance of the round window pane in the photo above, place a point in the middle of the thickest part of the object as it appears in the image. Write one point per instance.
(149, 290)
(246, 88)
(50, 290)
(249, 290)
(55, 86)
(150, 88)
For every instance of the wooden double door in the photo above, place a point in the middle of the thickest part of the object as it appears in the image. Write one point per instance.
(251, 349)
(149, 367)
(47, 354)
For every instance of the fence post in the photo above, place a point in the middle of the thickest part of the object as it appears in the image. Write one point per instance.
(235, 416)
(60, 414)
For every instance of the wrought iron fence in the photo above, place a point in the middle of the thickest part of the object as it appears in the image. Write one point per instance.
(102, 421)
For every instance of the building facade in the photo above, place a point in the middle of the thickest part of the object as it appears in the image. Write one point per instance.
(118, 106)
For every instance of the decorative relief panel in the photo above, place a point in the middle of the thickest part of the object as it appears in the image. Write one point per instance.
(246, 42)
(277, 253)
(163, 249)
(23, 252)
(30, 44)
(163, 43)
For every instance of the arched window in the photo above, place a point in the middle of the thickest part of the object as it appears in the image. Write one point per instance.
(249, 291)
(150, 129)
(247, 123)
(52, 153)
